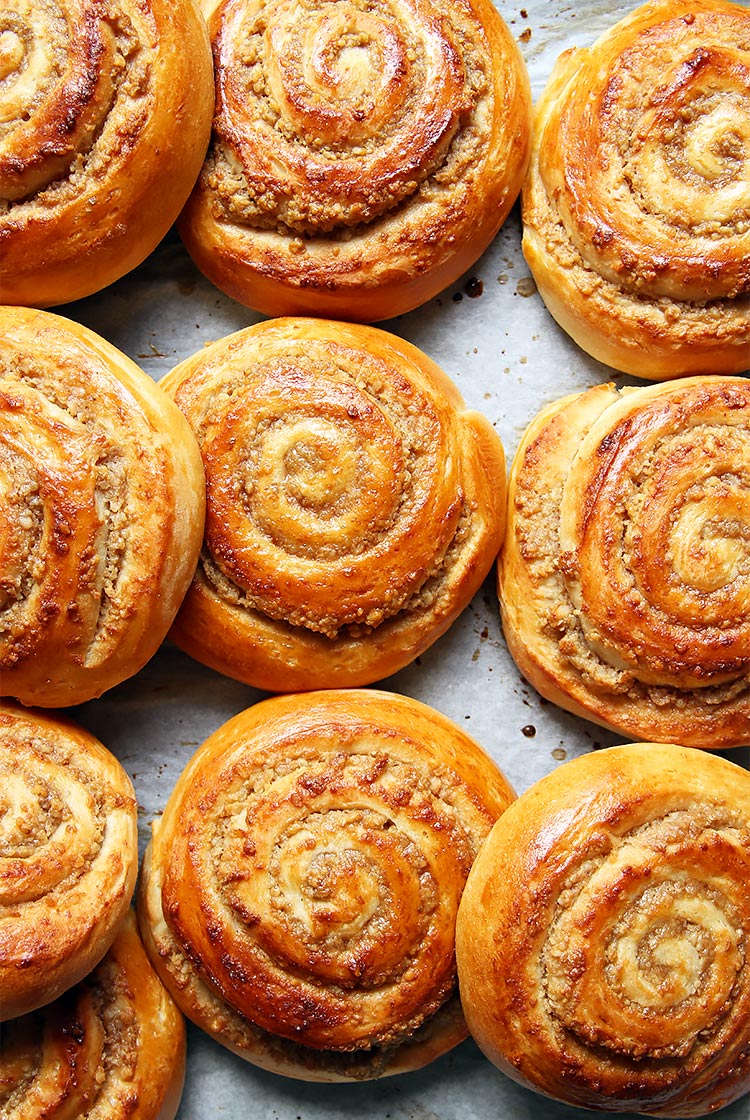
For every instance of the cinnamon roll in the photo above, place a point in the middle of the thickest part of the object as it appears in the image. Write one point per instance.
(625, 577)
(101, 516)
(105, 117)
(636, 209)
(362, 156)
(68, 856)
(354, 505)
(603, 937)
(300, 892)
(112, 1048)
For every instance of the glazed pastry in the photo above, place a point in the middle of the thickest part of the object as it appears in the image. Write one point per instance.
(637, 203)
(112, 1048)
(299, 895)
(102, 512)
(625, 577)
(68, 856)
(362, 157)
(354, 505)
(105, 117)
(603, 938)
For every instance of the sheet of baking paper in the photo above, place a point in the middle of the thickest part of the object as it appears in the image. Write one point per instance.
(493, 336)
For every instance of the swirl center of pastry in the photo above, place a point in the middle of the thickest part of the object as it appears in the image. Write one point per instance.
(340, 891)
(343, 898)
(635, 944)
(714, 146)
(314, 482)
(345, 63)
(712, 552)
(659, 964)
(316, 467)
(344, 78)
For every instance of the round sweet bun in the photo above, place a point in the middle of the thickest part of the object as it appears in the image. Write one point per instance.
(636, 204)
(624, 580)
(354, 504)
(362, 157)
(68, 856)
(603, 938)
(101, 519)
(299, 894)
(106, 115)
(112, 1048)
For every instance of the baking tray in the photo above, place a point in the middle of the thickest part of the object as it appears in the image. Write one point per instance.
(493, 336)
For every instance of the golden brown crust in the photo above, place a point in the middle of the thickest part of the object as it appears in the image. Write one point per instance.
(102, 514)
(362, 157)
(603, 934)
(354, 505)
(300, 891)
(624, 581)
(68, 856)
(112, 1048)
(636, 207)
(106, 121)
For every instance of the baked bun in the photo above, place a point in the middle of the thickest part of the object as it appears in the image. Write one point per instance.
(102, 512)
(106, 116)
(603, 939)
(68, 856)
(299, 895)
(354, 504)
(636, 205)
(112, 1048)
(625, 577)
(362, 157)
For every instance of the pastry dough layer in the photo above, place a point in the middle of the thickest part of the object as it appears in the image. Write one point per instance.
(68, 856)
(112, 1048)
(363, 156)
(636, 208)
(603, 936)
(101, 516)
(354, 504)
(300, 892)
(625, 576)
(105, 116)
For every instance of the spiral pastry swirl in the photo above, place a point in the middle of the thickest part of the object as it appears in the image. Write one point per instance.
(625, 578)
(354, 505)
(68, 856)
(101, 515)
(363, 155)
(603, 935)
(105, 115)
(113, 1046)
(300, 893)
(637, 205)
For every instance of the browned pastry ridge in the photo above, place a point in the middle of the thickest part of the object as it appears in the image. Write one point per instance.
(105, 117)
(636, 208)
(354, 504)
(68, 856)
(112, 1048)
(363, 156)
(101, 516)
(625, 577)
(603, 938)
(300, 892)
